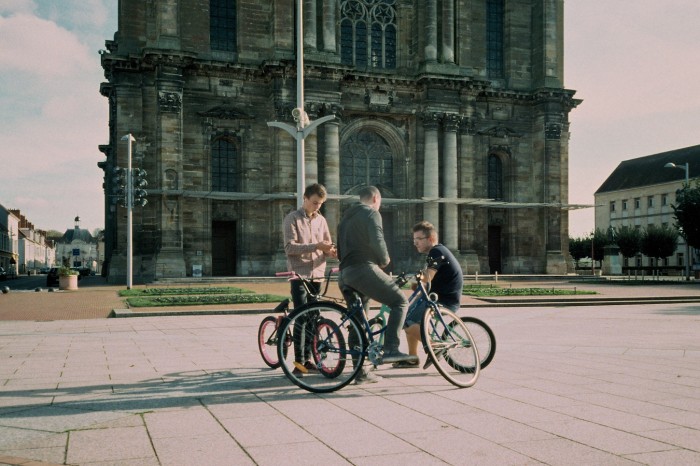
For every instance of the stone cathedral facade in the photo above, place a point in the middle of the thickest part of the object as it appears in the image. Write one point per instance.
(455, 109)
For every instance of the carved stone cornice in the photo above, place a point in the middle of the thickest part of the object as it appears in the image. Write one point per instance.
(500, 131)
(225, 112)
(431, 120)
(467, 126)
(552, 130)
(565, 97)
(169, 102)
(451, 122)
(379, 100)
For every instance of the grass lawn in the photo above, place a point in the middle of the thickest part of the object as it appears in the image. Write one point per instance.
(493, 290)
(194, 296)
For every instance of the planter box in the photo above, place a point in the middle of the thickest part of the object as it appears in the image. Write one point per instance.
(69, 283)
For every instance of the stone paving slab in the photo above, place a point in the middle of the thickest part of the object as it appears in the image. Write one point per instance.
(569, 385)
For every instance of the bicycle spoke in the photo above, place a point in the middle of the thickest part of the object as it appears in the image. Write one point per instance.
(448, 343)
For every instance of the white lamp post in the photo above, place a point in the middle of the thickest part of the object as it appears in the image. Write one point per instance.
(685, 167)
(304, 126)
(129, 205)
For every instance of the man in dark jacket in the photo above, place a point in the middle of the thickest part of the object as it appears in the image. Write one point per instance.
(363, 254)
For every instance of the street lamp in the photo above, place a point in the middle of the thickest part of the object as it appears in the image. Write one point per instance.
(304, 126)
(685, 167)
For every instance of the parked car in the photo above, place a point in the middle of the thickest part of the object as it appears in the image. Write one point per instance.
(52, 277)
(44, 270)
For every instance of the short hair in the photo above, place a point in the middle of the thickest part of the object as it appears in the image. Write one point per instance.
(427, 228)
(366, 193)
(317, 189)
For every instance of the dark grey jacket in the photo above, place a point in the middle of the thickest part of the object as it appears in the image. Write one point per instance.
(361, 238)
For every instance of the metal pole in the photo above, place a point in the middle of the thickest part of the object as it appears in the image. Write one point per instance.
(301, 169)
(129, 206)
(687, 246)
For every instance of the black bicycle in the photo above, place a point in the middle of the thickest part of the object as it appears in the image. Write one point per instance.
(342, 339)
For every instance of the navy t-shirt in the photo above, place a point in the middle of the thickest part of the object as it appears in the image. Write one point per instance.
(447, 282)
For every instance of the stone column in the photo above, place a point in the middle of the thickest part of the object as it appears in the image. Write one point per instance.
(311, 147)
(332, 171)
(467, 254)
(448, 31)
(449, 178)
(170, 261)
(431, 182)
(431, 31)
(329, 11)
(552, 193)
(310, 24)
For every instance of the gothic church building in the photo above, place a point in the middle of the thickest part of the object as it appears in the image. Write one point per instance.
(455, 109)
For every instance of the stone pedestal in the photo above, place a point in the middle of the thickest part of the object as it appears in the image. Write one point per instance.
(170, 264)
(556, 263)
(611, 261)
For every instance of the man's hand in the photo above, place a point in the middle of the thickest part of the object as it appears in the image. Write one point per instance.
(327, 248)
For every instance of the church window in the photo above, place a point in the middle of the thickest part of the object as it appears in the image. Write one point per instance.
(366, 160)
(495, 177)
(222, 25)
(494, 38)
(224, 166)
(368, 33)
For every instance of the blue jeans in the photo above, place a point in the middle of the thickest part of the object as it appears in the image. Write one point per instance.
(372, 283)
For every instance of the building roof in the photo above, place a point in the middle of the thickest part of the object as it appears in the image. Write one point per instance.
(76, 234)
(649, 170)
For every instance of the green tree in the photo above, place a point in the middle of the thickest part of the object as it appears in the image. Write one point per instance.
(659, 241)
(601, 238)
(579, 248)
(629, 240)
(687, 213)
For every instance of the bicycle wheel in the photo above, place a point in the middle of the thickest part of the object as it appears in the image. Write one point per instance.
(267, 341)
(484, 339)
(448, 343)
(336, 340)
(326, 329)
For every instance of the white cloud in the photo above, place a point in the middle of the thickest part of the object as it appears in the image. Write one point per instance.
(51, 111)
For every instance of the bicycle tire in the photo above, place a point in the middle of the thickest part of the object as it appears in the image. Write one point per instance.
(449, 345)
(484, 339)
(268, 340)
(331, 352)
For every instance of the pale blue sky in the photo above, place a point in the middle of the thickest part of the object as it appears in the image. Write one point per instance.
(633, 62)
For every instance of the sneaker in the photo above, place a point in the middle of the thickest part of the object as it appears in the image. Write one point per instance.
(397, 356)
(310, 367)
(405, 364)
(367, 376)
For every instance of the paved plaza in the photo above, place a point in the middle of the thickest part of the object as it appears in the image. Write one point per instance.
(585, 385)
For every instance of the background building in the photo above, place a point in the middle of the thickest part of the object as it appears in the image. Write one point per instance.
(35, 252)
(9, 241)
(78, 248)
(455, 109)
(640, 192)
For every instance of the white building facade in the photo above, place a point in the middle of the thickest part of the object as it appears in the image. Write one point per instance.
(641, 192)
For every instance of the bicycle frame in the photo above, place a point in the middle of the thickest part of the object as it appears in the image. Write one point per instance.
(372, 351)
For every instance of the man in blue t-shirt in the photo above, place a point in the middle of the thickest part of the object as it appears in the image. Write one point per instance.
(442, 276)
